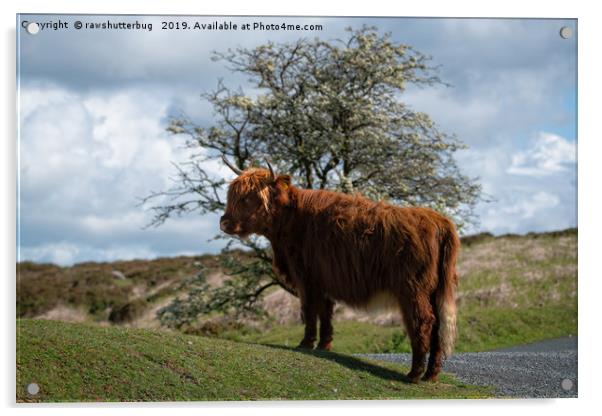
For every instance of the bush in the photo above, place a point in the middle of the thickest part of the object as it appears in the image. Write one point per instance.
(127, 312)
(41, 287)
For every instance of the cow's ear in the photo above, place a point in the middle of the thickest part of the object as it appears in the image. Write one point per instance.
(283, 181)
(282, 185)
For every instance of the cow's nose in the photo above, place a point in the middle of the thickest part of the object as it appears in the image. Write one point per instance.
(223, 223)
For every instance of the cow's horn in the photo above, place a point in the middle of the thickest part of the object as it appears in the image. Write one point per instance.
(272, 176)
(231, 166)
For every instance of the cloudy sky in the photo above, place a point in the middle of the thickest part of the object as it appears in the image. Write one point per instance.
(93, 107)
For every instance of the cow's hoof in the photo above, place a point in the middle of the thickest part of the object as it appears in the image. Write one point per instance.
(430, 377)
(413, 378)
(305, 345)
(326, 346)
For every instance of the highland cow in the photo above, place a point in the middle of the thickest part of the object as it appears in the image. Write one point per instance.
(333, 247)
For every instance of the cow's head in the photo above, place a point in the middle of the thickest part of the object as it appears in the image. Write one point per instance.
(253, 200)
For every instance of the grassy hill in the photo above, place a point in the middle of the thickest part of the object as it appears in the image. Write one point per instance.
(513, 289)
(97, 292)
(81, 362)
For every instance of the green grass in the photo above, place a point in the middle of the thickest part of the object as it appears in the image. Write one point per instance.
(498, 328)
(504, 327)
(350, 337)
(75, 362)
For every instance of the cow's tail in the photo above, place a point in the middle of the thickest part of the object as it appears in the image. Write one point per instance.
(446, 290)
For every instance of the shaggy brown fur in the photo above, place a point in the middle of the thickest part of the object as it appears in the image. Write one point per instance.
(336, 247)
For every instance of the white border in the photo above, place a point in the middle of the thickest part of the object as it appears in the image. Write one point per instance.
(589, 185)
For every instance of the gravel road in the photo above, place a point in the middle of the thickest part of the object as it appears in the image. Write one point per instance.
(543, 369)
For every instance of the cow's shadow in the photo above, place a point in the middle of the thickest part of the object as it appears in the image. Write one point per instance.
(350, 362)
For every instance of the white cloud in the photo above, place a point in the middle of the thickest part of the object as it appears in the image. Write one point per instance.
(65, 253)
(58, 253)
(550, 154)
(518, 203)
(491, 107)
(521, 210)
(528, 207)
(85, 160)
(109, 146)
(467, 116)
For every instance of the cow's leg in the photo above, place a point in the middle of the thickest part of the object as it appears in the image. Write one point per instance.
(326, 330)
(435, 356)
(309, 313)
(419, 318)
